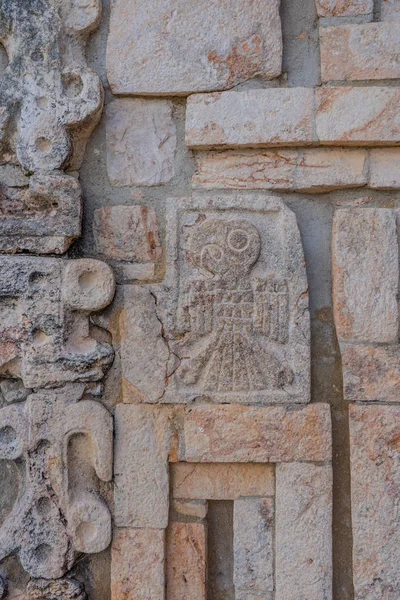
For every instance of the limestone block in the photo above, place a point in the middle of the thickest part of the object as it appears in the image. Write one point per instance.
(270, 117)
(47, 92)
(253, 545)
(172, 47)
(141, 141)
(137, 564)
(186, 572)
(190, 508)
(43, 218)
(371, 373)
(221, 482)
(360, 52)
(45, 304)
(385, 168)
(128, 233)
(234, 305)
(54, 517)
(365, 275)
(390, 10)
(375, 492)
(141, 466)
(316, 170)
(251, 434)
(344, 8)
(303, 532)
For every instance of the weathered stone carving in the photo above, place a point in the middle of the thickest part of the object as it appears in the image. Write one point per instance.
(60, 589)
(45, 333)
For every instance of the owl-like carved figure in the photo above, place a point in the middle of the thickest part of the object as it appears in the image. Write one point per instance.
(226, 311)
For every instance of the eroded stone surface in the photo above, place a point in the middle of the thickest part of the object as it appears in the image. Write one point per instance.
(186, 573)
(375, 491)
(141, 141)
(344, 8)
(58, 589)
(390, 10)
(303, 532)
(365, 274)
(171, 47)
(385, 168)
(357, 52)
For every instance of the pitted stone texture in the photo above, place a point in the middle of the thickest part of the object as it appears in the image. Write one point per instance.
(52, 520)
(303, 532)
(234, 304)
(251, 434)
(47, 92)
(172, 47)
(45, 305)
(141, 141)
(365, 275)
(56, 589)
(315, 170)
(375, 491)
(137, 564)
(360, 52)
(186, 572)
(344, 8)
(390, 10)
(253, 545)
(385, 168)
(44, 217)
(127, 233)
(371, 374)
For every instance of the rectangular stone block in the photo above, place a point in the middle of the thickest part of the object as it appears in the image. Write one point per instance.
(316, 170)
(176, 47)
(270, 117)
(141, 490)
(253, 545)
(344, 8)
(390, 10)
(250, 434)
(371, 373)
(221, 482)
(360, 52)
(385, 168)
(186, 561)
(141, 141)
(137, 564)
(303, 532)
(365, 274)
(375, 493)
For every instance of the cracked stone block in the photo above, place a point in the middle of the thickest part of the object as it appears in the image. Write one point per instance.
(365, 275)
(186, 568)
(385, 168)
(141, 141)
(172, 47)
(303, 532)
(253, 527)
(137, 564)
(390, 10)
(43, 217)
(45, 333)
(344, 8)
(375, 492)
(360, 52)
(127, 233)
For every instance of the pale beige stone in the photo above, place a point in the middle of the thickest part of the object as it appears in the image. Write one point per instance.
(375, 493)
(385, 168)
(303, 532)
(357, 115)
(137, 564)
(371, 373)
(186, 561)
(250, 434)
(390, 10)
(221, 482)
(365, 274)
(360, 52)
(141, 141)
(191, 508)
(321, 170)
(270, 117)
(176, 47)
(344, 8)
(253, 545)
(141, 466)
(127, 233)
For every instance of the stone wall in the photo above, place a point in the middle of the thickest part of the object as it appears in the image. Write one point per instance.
(199, 282)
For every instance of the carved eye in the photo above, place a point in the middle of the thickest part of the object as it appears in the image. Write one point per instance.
(238, 240)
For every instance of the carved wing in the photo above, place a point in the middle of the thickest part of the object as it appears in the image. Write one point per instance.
(201, 299)
(271, 309)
